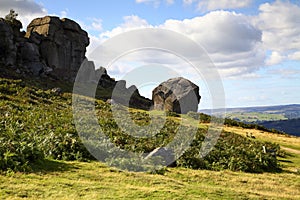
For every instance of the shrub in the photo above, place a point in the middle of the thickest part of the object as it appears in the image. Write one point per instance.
(232, 152)
(18, 148)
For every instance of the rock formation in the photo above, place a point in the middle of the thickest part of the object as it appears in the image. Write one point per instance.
(51, 46)
(62, 45)
(8, 48)
(55, 49)
(176, 95)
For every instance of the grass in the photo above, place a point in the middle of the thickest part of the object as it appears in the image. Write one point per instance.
(256, 116)
(52, 179)
(94, 180)
(80, 180)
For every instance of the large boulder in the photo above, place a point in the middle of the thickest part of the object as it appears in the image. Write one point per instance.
(62, 44)
(8, 48)
(176, 95)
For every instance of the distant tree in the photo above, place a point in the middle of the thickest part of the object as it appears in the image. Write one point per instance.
(12, 16)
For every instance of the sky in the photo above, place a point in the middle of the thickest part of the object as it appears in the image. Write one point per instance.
(254, 44)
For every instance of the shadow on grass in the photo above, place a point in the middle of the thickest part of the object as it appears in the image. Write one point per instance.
(285, 161)
(46, 166)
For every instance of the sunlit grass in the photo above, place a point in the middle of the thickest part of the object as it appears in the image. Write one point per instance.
(50, 179)
(78, 180)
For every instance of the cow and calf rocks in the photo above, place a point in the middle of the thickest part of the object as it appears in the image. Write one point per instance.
(55, 48)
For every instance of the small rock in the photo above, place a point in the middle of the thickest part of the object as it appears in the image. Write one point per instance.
(57, 91)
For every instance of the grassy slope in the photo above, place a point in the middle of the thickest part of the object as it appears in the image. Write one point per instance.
(289, 144)
(79, 180)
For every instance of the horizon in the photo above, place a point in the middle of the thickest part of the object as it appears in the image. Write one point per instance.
(258, 106)
(258, 60)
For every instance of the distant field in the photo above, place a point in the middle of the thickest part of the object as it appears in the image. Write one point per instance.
(284, 118)
(262, 113)
(256, 116)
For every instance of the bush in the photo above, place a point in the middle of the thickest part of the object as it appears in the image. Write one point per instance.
(11, 18)
(18, 148)
(232, 152)
(203, 118)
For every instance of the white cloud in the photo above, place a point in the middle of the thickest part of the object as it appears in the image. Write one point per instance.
(279, 22)
(275, 58)
(96, 25)
(155, 3)
(143, 1)
(288, 73)
(134, 21)
(170, 2)
(27, 10)
(294, 56)
(231, 41)
(209, 5)
(130, 23)
(229, 38)
(91, 25)
(188, 2)
(63, 14)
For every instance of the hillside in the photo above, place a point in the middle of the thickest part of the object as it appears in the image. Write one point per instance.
(42, 120)
(290, 126)
(284, 118)
(44, 154)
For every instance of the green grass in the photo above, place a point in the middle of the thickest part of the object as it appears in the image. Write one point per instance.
(79, 180)
(47, 118)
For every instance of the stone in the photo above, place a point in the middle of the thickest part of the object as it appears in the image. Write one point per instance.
(176, 95)
(105, 80)
(57, 91)
(8, 47)
(111, 101)
(62, 44)
(166, 155)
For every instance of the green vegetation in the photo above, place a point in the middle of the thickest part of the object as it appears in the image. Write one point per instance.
(38, 124)
(256, 116)
(41, 155)
(12, 16)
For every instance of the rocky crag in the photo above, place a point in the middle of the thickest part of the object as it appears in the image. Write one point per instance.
(50, 47)
(54, 49)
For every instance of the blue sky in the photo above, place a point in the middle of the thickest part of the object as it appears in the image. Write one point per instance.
(255, 45)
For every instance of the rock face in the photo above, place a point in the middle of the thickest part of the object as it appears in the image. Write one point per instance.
(54, 49)
(116, 91)
(62, 44)
(8, 48)
(51, 46)
(176, 95)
